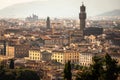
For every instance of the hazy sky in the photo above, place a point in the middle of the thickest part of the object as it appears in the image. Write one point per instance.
(94, 7)
(5, 3)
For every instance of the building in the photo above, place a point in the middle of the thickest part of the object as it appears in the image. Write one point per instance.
(54, 40)
(46, 40)
(85, 59)
(92, 31)
(35, 54)
(46, 56)
(3, 44)
(32, 18)
(21, 51)
(58, 55)
(10, 51)
(53, 65)
(116, 41)
(33, 65)
(91, 39)
(63, 56)
(48, 23)
(71, 55)
(12, 31)
(58, 40)
(114, 36)
(4, 58)
(82, 17)
(75, 36)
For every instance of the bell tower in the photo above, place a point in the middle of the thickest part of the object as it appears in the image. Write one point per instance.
(82, 17)
(48, 23)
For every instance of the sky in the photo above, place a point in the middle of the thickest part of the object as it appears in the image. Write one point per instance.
(94, 7)
(5, 3)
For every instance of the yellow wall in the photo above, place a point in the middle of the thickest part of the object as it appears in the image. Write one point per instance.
(34, 55)
(10, 51)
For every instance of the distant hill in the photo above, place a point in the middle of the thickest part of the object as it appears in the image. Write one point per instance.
(42, 9)
(111, 13)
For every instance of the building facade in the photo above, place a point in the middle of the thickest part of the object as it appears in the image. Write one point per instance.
(71, 55)
(21, 51)
(35, 54)
(58, 56)
(10, 51)
(85, 58)
(46, 56)
(63, 56)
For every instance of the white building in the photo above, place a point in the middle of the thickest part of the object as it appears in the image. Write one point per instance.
(85, 58)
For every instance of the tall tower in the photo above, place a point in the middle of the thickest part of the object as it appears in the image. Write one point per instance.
(82, 17)
(53, 28)
(48, 23)
(4, 43)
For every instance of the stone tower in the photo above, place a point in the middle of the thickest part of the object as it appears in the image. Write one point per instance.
(48, 23)
(82, 17)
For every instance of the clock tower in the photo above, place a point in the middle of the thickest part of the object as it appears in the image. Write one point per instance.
(82, 17)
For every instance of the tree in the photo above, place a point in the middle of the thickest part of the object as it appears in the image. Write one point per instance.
(27, 75)
(93, 72)
(85, 75)
(97, 68)
(67, 71)
(19, 74)
(103, 68)
(11, 66)
(16, 74)
(111, 70)
(2, 71)
(9, 75)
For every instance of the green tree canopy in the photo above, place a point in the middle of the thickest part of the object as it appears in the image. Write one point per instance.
(103, 68)
(19, 74)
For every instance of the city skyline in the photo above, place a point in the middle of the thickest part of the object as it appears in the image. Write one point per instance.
(55, 8)
(54, 48)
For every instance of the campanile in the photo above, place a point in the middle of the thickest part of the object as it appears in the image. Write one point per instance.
(82, 17)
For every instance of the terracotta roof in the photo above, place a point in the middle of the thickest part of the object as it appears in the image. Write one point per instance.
(45, 38)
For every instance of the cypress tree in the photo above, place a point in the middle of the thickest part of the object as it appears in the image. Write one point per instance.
(11, 66)
(67, 71)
